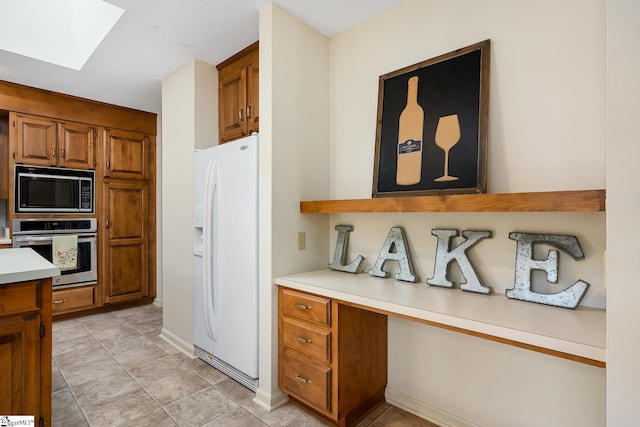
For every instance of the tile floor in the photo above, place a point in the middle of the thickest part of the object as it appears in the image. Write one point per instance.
(112, 369)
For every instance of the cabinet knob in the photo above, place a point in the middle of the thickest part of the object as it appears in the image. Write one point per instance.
(303, 340)
(249, 112)
(240, 115)
(62, 153)
(303, 307)
(59, 301)
(53, 152)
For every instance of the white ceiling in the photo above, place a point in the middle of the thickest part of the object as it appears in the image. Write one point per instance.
(154, 38)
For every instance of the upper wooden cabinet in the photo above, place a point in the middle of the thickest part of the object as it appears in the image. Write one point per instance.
(43, 141)
(238, 109)
(126, 154)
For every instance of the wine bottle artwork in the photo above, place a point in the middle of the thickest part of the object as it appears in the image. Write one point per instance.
(410, 126)
(432, 124)
(447, 136)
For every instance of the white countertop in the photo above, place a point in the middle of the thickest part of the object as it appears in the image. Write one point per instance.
(23, 264)
(579, 332)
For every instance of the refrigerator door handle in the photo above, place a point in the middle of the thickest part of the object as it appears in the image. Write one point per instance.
(207, 249)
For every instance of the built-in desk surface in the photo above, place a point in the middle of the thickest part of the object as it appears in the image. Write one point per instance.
(571, 334)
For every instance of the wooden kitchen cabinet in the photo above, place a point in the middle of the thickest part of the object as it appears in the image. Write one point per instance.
(125, 242)
(238, 108)
(43, 141)
(126, 154)
(25, 349)
(332, 357)
(127, 272)
(119, 143)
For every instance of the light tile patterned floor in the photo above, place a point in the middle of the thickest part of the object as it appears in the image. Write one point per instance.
(112, 369)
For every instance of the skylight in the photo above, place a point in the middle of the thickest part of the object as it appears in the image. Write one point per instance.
(62, 32)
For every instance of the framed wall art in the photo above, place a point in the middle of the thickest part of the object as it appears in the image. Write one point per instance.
(431, 133)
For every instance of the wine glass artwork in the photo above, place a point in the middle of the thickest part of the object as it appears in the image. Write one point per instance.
(447, 135)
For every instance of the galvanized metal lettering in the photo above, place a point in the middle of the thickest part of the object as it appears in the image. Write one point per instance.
(568, 298)
(445, 255)
(340, 254)
(394, 249)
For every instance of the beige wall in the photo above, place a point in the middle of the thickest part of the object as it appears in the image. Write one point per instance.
(294, 159)
(623, 205)
(189, 121)
(546, 132)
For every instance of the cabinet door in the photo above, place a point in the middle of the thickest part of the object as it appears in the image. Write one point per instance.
(35, 140)
(4, 157)
(126, 242)
(20, 366)
(253, 107)
(76, 145)
(232, 93)
(126, 154)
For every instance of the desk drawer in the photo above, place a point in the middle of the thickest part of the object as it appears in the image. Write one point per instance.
(306, 307)
(307, 339)
(307, 381)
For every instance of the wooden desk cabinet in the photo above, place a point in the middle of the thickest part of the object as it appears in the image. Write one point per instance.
(25, 349)
(332, 357)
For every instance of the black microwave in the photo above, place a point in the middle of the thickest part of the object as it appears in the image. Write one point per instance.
(53, 190)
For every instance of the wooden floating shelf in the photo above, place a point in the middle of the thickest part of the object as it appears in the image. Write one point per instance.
(550, 201)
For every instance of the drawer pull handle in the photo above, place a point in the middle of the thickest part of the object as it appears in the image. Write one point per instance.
(59, 301)
(303, 307)
(303, 379)
(303, 340)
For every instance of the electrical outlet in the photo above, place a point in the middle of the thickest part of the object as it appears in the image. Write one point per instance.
(302, 244)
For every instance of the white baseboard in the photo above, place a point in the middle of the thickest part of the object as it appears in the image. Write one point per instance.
(270, 401)
(424, 410)
(178, 343)
(157, 302)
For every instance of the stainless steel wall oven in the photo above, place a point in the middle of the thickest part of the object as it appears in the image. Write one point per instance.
(38, 234)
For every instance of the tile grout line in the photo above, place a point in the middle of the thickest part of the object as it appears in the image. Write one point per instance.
(143, 388)
(82, 409)
(181, 360)
(73, 394)
(160, 406)
(239, 405)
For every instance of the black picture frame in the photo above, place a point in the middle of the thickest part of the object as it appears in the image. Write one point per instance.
(452, 84)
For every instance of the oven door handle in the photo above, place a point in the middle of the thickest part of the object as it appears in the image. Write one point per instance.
(45, 240)
(34, 240)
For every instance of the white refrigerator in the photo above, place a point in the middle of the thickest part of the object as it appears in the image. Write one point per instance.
(225, 249)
